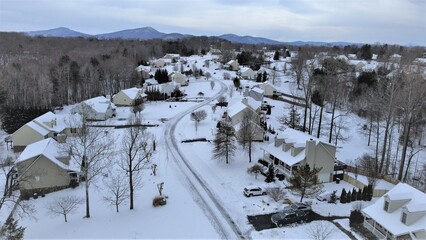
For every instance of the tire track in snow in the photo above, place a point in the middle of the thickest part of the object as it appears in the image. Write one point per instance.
(196, 183)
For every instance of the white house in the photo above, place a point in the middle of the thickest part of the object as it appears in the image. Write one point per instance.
(399, 214)
(247, 73)
(172, 56)
(235, 113)
(268, 89)
(164, 88)
(256, 94)
(144, 70)
(396, 58)
(232, 65)
(295, 148)
(178, 77)
(129, 97)
(95, 109)
(44, 126)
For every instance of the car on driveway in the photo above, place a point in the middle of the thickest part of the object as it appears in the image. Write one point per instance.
(298, 206)
(253, 191)
(282, 218)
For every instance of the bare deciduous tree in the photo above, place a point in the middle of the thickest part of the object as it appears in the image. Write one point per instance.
(197, 117)
(320, 230)
(64, 205)
(91, 149)
(117, 190)
(247, 132)
(276, 193)
(255, 170)
(136, 151)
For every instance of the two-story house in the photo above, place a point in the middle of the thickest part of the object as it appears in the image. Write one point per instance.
(399, 214)
(95, 109)
(294, 148)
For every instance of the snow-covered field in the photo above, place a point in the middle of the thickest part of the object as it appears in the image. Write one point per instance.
(186, 215)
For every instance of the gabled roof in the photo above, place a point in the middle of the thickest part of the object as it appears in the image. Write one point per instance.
(236, 108)
(36, 127)
(245, 69)
(285, 157)
(251, 102)
(392, 221)
(57, 123)
(47, 147)
(132, 93)
(99, 104)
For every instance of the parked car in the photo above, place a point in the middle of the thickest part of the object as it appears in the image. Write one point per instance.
(282, 218)
(298, 206)
(253, 191)
(326, 196)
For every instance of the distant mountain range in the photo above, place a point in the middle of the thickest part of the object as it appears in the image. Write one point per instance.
(147, 33)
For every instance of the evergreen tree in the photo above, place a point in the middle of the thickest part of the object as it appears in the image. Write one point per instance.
(305, 181)
(364, 194)
(277, 55)
(12, 231)
(359, 195)
(237, 82)
(333, 197)
(349, 197)
(369, 192)
(259, 77)
(354, 195)
(343, 196)
(265, 76)
(224, 143)
(270, 175)
(293, 120)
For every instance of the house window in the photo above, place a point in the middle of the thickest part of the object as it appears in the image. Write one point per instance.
(404, 218)
(73, 130)
(386, 207)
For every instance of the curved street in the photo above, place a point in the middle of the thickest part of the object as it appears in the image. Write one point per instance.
(204, 196)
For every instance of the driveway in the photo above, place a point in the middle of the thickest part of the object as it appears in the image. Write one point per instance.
(262, 222)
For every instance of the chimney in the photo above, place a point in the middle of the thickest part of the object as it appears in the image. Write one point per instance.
(278, 142)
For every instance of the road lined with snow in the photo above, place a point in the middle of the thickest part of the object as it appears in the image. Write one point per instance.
(203, 195)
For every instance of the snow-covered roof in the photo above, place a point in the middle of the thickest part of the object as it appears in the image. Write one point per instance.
(231, 62)
(51, 122)
(141, 68)
(100, 104)
(47, 147)
(285, 157)
(258, 90)
(392, 220)
(36, 127)
(245, 69)
(151, 81)
(253, 103)
(132, 93)
(234, 109)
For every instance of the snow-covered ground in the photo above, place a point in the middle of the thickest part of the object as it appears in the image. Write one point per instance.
(185, 215)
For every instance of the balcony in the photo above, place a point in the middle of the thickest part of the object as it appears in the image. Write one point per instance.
(369, 224)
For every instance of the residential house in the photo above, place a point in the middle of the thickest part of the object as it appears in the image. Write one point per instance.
(399, 214)
(268, 89)
(258, 131)
(252, 103)
(172, 56)
(395, 58)
(295, 148)
(236, 112)
(178, 77)
(95, 109)
(162, 62)
(150, 81)
(164, 88)
(144, 70)
(256, 94)
(129, 97)
(44, 167)
(42, 127)
(232, 65)
(247, 73)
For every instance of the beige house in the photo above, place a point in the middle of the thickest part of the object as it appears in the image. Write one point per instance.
(178, 77)
(43, 167)
(96, 109)
(42, 127)
(258, 131)
(129, 97)
(144, 71)
(236, 112)
(172, 56)
(232, 65)
(247, 73)
(399, 214)
(295, 148)
(268, 89)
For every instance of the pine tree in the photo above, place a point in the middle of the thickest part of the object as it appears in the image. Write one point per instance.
(265, 76)
(359, 195)
(354, 195)
(349, 197)
(277, 55)
(224, 143)
(343, 196)
(364, 194)
(270, 175)
(305, 181)
(12, 231)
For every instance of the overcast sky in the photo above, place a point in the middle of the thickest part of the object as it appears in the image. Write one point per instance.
(365, 21)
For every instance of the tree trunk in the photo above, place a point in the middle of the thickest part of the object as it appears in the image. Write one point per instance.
(65, 216)
(382, 160)
(404, 148)
(319, 123)
(87, 198)
(310, 119)
(376, 160)
(116, 207)
(332, 122)
(131, 186)
(304, 118)
(249, 150)
(369, 131)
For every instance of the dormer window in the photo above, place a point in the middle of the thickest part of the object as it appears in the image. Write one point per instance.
(386, 206)
(404, 217)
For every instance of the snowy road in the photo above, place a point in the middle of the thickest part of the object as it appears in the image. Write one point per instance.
(203, 195)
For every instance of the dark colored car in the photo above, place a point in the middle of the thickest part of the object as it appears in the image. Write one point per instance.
(282, 218)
